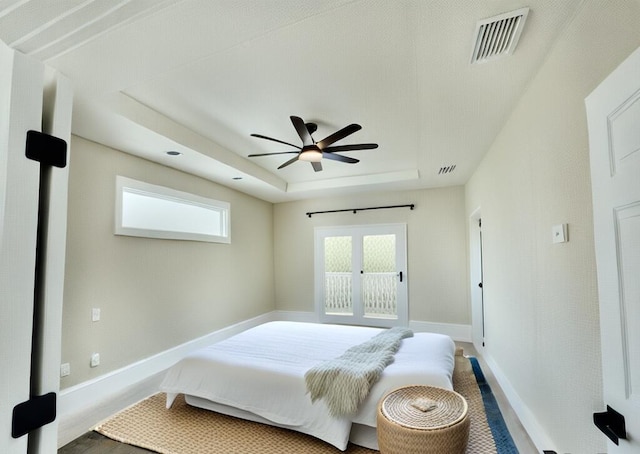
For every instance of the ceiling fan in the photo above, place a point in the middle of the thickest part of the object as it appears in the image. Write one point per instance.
(312, 151)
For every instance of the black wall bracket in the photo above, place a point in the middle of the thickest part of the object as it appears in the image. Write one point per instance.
(46, 149)
(33, 414)
(612, 424)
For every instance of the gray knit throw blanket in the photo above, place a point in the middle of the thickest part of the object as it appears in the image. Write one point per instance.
(344, 382)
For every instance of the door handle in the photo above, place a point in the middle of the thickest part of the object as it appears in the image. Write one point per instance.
(611, 423)
(400, 274)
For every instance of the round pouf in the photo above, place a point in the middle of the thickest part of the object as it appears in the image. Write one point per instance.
(423, 420)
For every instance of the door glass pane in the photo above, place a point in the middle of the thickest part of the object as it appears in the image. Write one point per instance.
(379, 280)
(337, 271)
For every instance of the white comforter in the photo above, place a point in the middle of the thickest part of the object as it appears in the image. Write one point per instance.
(262, 371)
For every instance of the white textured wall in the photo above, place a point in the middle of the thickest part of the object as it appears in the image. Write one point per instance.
(154, 294)
(542, 323)
(436, 248)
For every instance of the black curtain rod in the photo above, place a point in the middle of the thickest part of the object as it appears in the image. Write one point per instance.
(355, 210)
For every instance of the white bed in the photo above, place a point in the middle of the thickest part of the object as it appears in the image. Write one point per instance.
(259, 375)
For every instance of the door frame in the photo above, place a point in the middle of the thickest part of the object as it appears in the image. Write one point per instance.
(475, 277)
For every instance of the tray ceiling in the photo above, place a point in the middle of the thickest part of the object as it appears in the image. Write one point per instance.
(199, 76)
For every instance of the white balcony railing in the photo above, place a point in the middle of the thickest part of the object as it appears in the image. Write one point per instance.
(337, 293)
(379, 292)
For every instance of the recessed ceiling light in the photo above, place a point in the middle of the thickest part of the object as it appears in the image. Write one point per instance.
(173, 153)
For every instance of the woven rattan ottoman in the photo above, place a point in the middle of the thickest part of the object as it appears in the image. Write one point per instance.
(423, 420)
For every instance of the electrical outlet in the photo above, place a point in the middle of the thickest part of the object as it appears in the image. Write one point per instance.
(65, 369)
(95, 314)
(95, 360)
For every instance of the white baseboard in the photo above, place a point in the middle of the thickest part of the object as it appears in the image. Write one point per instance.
(461, 333)
(535, 431)
(74, 418)
(83, 406)
(457, 332)
(296, 316)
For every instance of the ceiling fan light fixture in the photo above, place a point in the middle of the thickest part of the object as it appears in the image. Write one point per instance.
(310, 155)
(315, 152)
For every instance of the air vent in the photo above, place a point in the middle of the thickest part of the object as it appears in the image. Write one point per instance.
(447, 169)
(498, 36)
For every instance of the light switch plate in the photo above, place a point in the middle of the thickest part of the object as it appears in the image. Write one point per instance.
(559, 233)
(95, 360)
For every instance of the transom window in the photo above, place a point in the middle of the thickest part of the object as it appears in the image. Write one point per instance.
(151, 211)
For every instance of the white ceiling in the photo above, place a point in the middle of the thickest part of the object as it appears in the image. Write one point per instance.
(200, 76)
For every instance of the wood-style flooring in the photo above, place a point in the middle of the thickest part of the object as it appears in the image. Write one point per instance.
(94, 443)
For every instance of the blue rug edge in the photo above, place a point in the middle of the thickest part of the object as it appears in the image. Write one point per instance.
(499, 430)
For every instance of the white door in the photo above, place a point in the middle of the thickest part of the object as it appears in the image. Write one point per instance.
(31, 98)
(20, 110)
(361, 275)
(613, 112)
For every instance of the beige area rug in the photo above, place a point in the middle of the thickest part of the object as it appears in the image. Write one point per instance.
(188, 430)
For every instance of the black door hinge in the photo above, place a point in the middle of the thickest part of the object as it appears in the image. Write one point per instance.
(33, 414)
(46, 149)
(612, 424)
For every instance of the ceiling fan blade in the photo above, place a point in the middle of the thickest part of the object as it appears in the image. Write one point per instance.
(341, 134)
(359, 146)
(317, 166)
(259, 136)
(269, 154)
(289, 162)
(337, 157)
(302, 130)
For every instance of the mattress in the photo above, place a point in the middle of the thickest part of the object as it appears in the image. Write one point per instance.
(260, 373)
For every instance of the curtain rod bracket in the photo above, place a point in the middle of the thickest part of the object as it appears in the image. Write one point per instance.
(355, 210)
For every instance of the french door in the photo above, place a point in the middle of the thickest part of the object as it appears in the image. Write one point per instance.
(361, 275)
